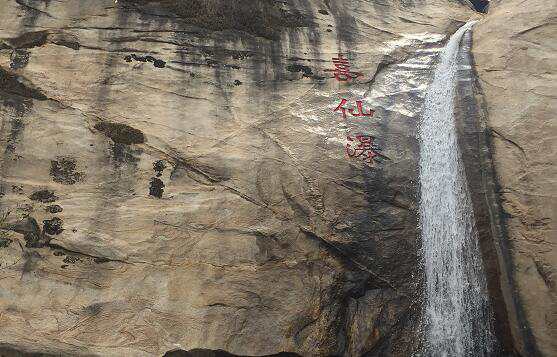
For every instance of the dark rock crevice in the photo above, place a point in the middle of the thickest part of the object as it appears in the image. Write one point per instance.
(346, 258)
(201, 352)
(480, 5)
(95, 258)
(12, 351)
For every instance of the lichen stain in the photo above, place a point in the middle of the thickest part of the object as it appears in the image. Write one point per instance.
(94, 309)
(19, 59)
(159, 167)
(71, 259)
(44, 196)
(156, 188)
(63, 170)
(54, 209)
(306, 71)
(29, 39)
(158, 63)
(122, 154)
(4, 242)
(53, 226)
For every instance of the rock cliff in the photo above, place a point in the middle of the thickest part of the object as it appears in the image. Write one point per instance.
(174, 176)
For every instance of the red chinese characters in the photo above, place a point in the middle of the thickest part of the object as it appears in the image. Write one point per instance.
(362, 147)
(359, 106)
(342, 69)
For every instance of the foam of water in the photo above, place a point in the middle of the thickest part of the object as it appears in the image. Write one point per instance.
(456, 312)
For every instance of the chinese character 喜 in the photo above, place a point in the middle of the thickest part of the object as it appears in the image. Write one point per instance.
(363, 146)
(342, 69)
(359, 105)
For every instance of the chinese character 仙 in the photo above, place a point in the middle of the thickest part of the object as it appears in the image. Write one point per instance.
(359, 105)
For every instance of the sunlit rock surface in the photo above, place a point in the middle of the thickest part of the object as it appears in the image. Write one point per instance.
(174, 177)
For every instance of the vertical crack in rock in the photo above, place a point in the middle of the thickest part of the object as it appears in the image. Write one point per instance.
(119, 159)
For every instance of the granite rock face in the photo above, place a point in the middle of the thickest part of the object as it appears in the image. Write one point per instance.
(516, 61)
(174, 176)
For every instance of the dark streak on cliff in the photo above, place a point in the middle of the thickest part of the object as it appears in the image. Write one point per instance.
(119, 157)
(16, 92)
(345, 24)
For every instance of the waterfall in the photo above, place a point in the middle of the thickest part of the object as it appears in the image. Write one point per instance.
(456, 312)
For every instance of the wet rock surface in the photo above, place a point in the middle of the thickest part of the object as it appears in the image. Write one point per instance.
(192, 179)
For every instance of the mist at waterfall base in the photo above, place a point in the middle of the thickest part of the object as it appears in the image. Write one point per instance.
(456, 312)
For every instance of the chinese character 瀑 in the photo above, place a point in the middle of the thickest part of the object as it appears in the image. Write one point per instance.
(363, 146)
(359, 105)
(342, 69)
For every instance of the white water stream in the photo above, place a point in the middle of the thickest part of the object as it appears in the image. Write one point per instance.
(457, 318)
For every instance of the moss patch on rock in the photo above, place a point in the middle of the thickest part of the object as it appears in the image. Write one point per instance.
(4, 242)
(63, 170)
(44, 196)
(262, 18)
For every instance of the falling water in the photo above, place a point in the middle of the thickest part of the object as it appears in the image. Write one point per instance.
(457, 319)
